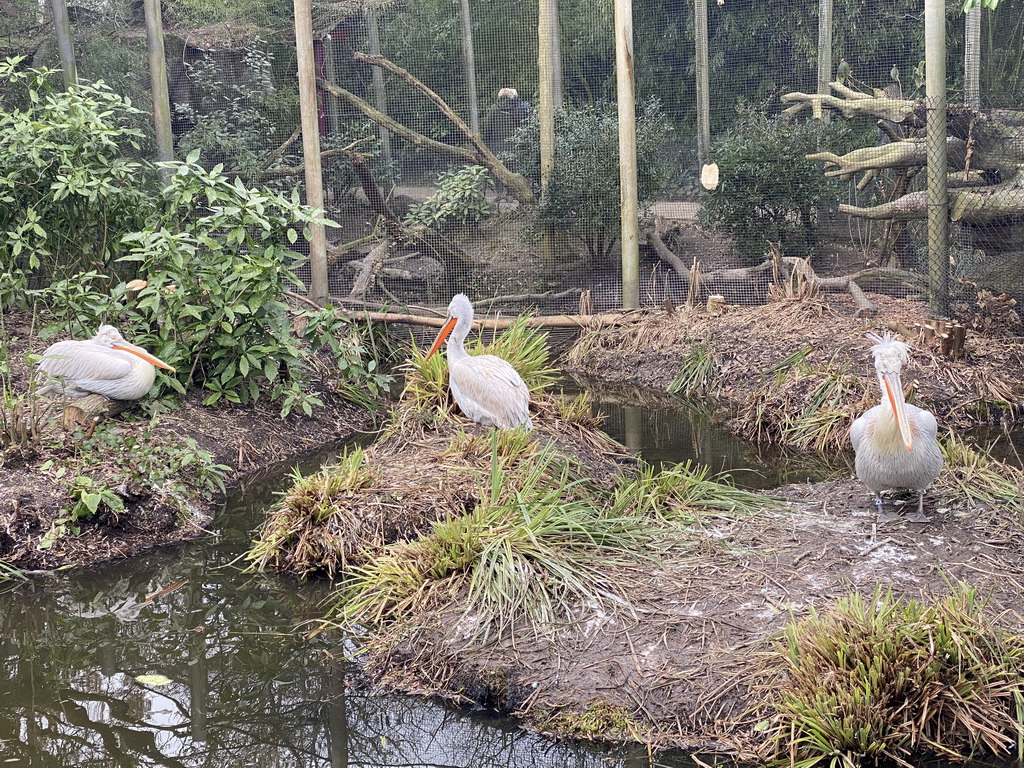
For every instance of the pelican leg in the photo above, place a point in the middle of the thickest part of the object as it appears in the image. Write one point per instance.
(881, 515)
(919, 516)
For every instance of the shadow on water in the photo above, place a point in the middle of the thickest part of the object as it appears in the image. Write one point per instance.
(243, 688)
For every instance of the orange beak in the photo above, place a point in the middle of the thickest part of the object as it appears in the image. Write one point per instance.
(140, 352)
(894, 392)
(441, 336)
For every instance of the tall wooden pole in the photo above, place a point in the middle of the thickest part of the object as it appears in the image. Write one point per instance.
(546, 22)
(380, 97)
(158, 85)
(935, 143)
(702, 66)
(972, 57)
(311, 148)
(65, 46)
(556, 56)
(824, 49)
(628, 206)
(469, 66)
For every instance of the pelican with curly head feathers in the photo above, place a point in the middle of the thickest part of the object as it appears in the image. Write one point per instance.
(895, 442)
(104, 365)
(486, 388)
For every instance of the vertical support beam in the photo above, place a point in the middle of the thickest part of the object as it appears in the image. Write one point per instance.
(556, 55)
(935, 143)
(65, 45)
(972, 57)
(702, 66)
(628, 206)
(547, 20)
(380, 98)
(469, 66)
(158, 84)
(824, 49)
(311, 148)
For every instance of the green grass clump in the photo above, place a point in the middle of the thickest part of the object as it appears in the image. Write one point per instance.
(679, 493)
(312, 528)
(884, 679)
(536, 545)
(699, 374)
(975, 476)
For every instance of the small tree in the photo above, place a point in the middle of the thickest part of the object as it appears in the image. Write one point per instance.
(69, 187)
(770, 192)
(583, 193)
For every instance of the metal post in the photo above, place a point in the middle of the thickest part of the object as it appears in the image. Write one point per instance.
(380, 98)
(824, 49)
(702, 65)
(469, 64)
(972, 57)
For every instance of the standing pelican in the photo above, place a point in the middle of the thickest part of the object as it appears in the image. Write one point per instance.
(895, 443)
(486, 388)
(104, 365)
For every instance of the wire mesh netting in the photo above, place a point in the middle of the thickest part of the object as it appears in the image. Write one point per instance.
(839, 183)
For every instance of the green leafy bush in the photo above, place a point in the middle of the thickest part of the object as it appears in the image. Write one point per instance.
(769, 191)
(583, 194)
(215, 254)
(68, 187)
(458, 201)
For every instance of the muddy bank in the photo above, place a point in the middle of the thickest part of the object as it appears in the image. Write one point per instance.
(154, 465)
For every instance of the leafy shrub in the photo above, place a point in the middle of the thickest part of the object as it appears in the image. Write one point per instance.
(215, 254)
(770, 192)
(68, 189)
(583, 194)
(458, 201)
(213, 296)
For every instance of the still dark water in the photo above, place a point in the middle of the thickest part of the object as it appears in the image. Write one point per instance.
(177, 658)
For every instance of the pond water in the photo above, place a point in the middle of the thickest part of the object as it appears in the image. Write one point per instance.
(177, 658)
(81, 652)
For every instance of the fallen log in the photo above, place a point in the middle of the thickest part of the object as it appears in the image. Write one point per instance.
(607, 319)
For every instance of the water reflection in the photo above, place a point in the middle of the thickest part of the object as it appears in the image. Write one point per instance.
(666, 430)
(243, 689)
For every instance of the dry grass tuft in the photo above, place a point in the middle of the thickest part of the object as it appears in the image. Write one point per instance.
(882, 679)
(983, 482)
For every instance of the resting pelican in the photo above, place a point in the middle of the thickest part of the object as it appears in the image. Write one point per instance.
(486, 388)
(895, 443)
(104, 365)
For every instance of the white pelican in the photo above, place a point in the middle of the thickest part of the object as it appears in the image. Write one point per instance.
(895, 443)
(104, 365)
(486, 388)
